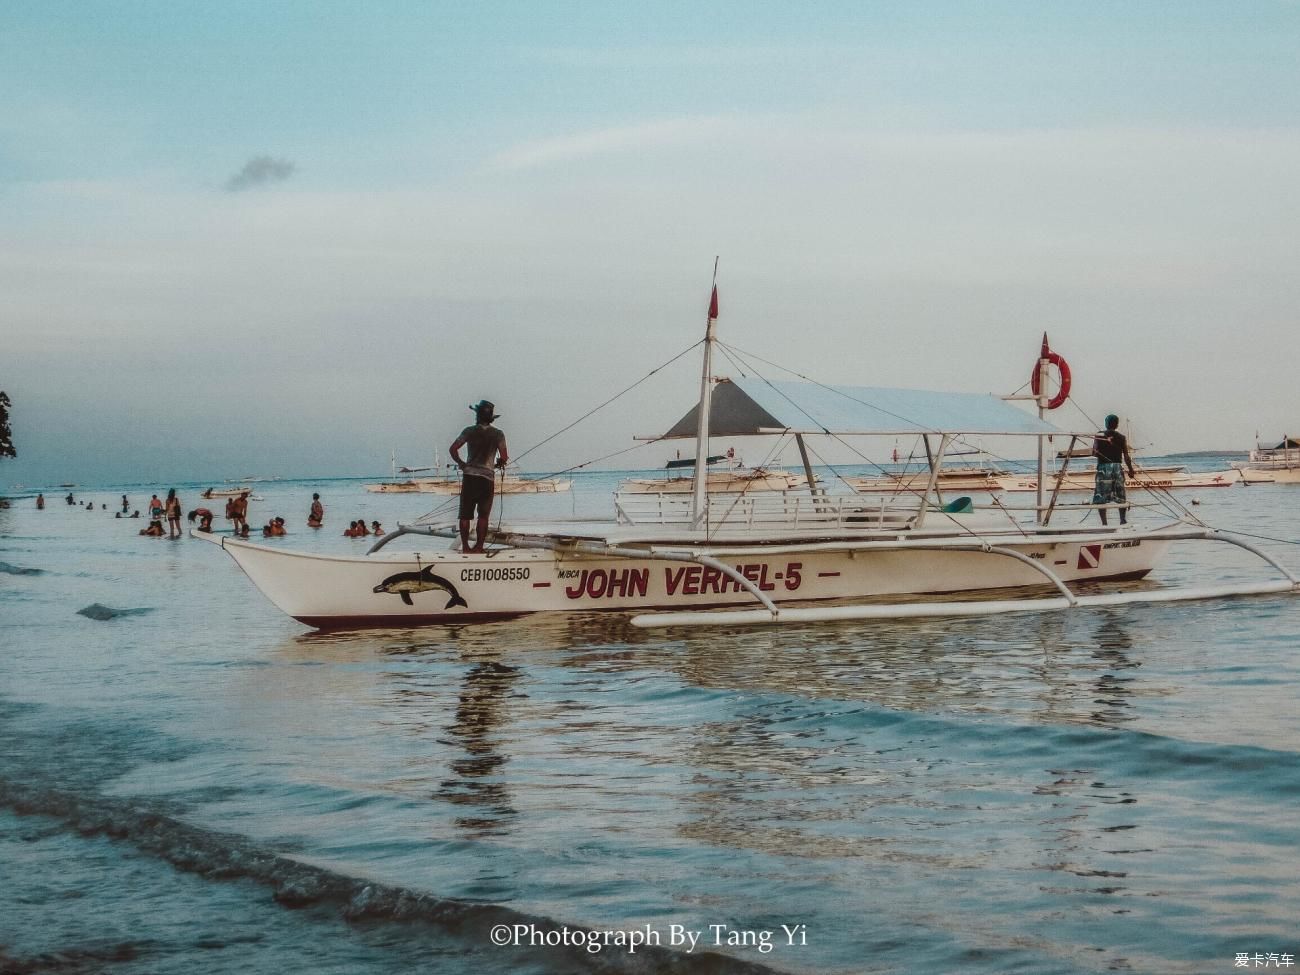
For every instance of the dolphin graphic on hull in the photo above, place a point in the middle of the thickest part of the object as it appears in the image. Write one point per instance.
(405, 583)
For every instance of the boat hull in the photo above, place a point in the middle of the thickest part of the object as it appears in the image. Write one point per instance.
(1269, 474)
(911, 483)
(432, 586)
(551, 485)
(718, 483)
(1154, 480)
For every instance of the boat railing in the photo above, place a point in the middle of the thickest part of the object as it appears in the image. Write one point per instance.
(795, 510)
(768, 509)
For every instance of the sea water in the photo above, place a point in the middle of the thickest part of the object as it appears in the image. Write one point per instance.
(192, 782)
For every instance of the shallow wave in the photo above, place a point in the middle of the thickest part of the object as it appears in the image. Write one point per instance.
(1148, 756)
(83, 958)
(98, 611)
(230, 857)
(18, 570)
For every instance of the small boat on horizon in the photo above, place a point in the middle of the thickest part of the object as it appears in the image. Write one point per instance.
(234, 492)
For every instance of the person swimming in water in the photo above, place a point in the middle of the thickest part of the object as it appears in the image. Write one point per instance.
(205, 518)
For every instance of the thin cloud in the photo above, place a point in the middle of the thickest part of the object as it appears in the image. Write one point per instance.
(621, 139)
(260, 171)
(704, 55)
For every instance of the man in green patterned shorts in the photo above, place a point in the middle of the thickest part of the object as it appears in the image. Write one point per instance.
(1110, 447)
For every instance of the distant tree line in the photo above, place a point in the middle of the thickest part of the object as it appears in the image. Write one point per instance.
(6, 437)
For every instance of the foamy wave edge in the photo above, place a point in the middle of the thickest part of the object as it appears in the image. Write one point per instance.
(228, 856)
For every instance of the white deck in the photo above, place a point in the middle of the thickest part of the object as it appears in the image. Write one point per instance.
(968, 528)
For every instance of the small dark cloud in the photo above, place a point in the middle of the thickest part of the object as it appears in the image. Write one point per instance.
(260, 171)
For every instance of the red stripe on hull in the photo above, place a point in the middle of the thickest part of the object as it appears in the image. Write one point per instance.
(400, 622)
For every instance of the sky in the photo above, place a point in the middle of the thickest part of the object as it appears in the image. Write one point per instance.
(293, 238)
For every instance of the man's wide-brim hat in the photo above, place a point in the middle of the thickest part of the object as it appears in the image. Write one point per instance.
(485, 406)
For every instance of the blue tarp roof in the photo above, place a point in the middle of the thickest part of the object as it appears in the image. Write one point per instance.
(749, 406)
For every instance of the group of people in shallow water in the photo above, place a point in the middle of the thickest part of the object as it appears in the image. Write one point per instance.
(90, 506)
(168, 510)
(236, 513)
(159, 511)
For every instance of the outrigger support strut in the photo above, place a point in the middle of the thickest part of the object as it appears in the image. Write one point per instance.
(401, 530)
(771, 613)
(1067, 599)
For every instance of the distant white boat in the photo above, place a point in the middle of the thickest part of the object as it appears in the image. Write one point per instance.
(947, 480)
(1272, 465)
(449, 483)
(226, 492)
(510, 484)
(1147, 479)
(735, 478)
(1270, 475)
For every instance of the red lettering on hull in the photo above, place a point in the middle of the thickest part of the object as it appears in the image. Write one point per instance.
(607, 583)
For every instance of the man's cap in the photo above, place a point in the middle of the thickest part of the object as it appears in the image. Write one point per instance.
(486, 406)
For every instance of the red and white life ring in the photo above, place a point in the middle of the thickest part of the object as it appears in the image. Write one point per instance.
(1062, 368)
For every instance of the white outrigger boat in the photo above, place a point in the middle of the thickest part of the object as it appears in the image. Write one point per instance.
(449, 483)
(671, 559)
(950, 479)
(734, 478)
(509, 484)
(1272, 465)
(1144, 479)
(211, 493)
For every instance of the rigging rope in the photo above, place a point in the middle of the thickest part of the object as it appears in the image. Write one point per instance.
(607, 402)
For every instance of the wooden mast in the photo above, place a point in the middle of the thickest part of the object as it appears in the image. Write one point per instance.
(700, 498)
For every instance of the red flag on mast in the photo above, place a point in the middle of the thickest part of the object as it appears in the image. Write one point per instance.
(713, 304)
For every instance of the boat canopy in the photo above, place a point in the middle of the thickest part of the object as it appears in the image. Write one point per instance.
(749, 407)
(690, 461)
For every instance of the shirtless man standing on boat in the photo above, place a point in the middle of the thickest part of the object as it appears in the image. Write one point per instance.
(1110, 447)
(487, 449)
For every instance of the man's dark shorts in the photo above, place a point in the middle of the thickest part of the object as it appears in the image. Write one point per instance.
(475, 492)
